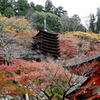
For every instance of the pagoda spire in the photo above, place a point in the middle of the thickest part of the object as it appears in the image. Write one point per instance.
(45, 24)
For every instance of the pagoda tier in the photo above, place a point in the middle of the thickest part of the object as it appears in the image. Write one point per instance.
(45, 44)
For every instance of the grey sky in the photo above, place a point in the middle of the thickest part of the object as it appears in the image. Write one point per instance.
(82, 8)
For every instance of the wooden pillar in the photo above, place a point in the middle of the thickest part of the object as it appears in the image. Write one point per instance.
(76, 99)
(1, 60)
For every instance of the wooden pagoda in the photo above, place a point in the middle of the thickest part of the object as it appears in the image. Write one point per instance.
(45, 44)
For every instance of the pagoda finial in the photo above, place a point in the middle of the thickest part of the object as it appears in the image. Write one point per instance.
(45, 24)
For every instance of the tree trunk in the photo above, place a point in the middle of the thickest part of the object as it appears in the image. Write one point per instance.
(64, 96)
(27, 97)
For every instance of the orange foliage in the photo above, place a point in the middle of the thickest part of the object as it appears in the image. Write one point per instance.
(25, 74)
(71, 45)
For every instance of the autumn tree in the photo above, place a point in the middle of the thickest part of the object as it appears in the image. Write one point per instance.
(72, 24)
(66, 23)
(6, 77)
(50, 79)
(87, 42)
(75, 22)
(78, 44)
(47, 80)
(12, 37)
(67, 48)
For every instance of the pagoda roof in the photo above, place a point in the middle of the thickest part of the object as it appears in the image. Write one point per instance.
(50, 42)
(47, 34)
(49, 38)
(51, 45)
(50, 51)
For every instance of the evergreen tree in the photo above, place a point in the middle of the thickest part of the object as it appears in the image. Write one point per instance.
(49, 7)
(53, 22)
(22, 7)
(12, 3)
(98, 21)
(32, 5)
(92, 23)
(39, 8)
(60, 12)
(9, 12)
(4, 4)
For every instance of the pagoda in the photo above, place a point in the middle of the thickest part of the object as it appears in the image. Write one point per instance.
(45, 44)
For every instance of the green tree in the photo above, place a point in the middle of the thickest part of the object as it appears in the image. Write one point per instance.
(4, 4)
(12, 3)
(49, 7)
(92, 22)
(60, 12)
(98, 21)
(22, 7)
(9, 12)
(53, 21)
(39, 8)
(32, 5)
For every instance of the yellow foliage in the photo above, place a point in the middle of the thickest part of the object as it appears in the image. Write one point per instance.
(88, 36)
(15, 25)
(3, 19)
